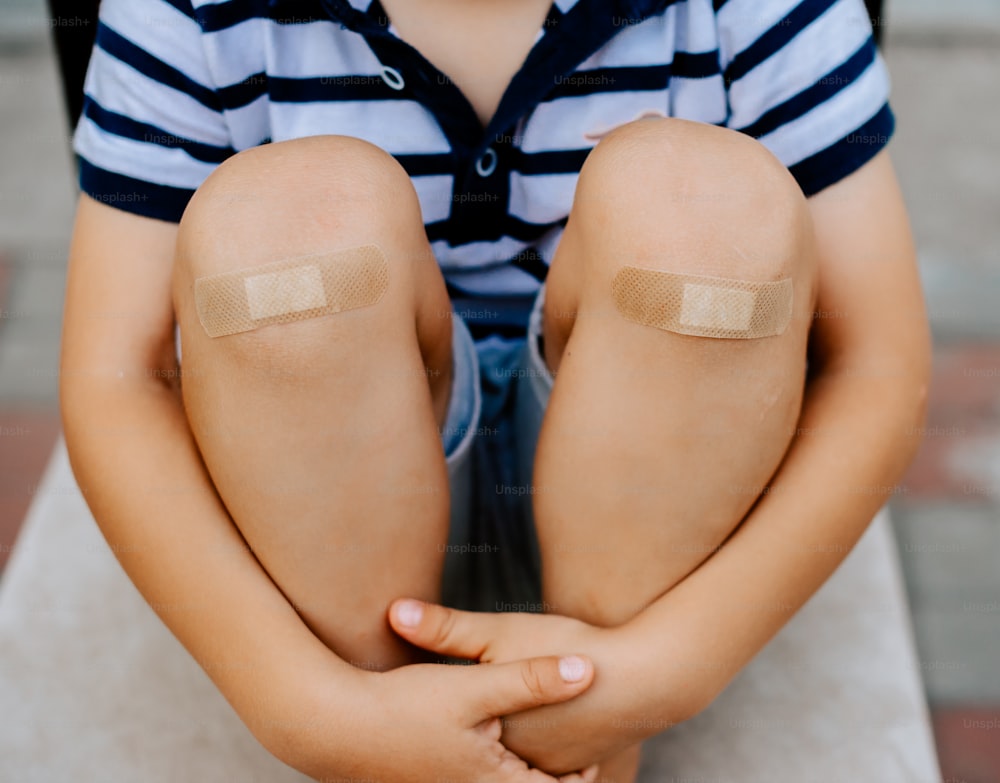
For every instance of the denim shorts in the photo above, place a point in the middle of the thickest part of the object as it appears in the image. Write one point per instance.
(500, 388)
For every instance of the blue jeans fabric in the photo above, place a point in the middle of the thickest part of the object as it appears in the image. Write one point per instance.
(500, 389)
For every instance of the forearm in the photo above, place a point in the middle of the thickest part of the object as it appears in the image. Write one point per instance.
(857, 430)
(855, 436)
(857, 433)
(139, 470)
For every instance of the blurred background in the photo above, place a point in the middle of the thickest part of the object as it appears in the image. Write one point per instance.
(945, 63)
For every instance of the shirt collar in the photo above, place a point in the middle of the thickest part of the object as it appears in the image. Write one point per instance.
(362, 5)
(563, 5)
(638, 7)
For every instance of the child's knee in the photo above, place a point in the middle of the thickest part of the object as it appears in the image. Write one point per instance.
(289, 247)
(690, 199)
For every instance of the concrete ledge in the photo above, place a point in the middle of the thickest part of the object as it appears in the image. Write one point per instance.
(95, 688)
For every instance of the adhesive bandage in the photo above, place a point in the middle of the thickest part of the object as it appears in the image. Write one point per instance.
(703, 306)
(291, 290)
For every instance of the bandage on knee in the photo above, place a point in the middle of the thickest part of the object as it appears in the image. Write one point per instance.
(291, 290)
(703, 306)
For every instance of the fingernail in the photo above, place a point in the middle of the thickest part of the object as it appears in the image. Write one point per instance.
(572, 668)
(409, 613)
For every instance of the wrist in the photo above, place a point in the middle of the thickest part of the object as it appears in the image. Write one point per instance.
(665, 681)
(305, 715)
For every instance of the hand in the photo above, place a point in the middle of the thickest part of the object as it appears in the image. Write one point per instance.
(437, 722)
(445, 720)
(570, 736)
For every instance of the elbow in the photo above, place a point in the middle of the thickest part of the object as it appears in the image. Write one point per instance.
(914, 394)
(78, 406)
(74, 402)
(905, 399)
(889, 385)
(70, 407)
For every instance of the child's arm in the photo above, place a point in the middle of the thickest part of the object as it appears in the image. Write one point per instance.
(858, 430)
(138, 467)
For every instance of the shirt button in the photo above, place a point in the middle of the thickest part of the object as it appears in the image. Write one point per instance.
(392, 77)
(487, 164)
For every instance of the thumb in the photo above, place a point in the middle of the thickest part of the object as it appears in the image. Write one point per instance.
(506, 688)
(443, 630)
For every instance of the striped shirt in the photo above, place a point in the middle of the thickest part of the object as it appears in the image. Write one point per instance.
(177, 86)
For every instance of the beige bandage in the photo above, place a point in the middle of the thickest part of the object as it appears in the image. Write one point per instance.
(291, 290)
(703, 306)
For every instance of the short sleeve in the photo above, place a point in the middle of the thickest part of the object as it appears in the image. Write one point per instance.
(152, 127)
(806, 79)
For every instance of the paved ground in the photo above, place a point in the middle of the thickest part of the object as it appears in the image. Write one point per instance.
(36, 202)
(944, 59)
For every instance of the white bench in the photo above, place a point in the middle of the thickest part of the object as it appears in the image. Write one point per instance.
(94, 688)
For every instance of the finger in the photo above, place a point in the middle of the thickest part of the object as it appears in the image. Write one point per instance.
(491, 728)
(589, 775)
(444, 630)
(514, 769)
(575, 777)
(506, 688)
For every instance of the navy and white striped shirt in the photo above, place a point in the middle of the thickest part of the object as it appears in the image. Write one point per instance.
(177, 86)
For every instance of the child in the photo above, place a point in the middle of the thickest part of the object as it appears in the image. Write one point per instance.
(276, 491)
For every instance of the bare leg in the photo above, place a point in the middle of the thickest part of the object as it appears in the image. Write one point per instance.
(321, 435)
(655, 445)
